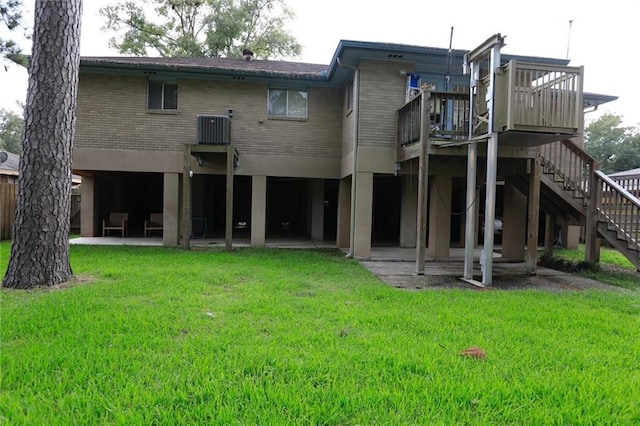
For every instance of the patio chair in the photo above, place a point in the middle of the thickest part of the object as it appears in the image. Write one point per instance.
(117, 222)
(154, 223)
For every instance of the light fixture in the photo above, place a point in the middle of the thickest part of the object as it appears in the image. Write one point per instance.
(230, 113)
(199, 160)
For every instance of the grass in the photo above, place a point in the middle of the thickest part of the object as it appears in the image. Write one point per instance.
(614, 268)
(163, 336)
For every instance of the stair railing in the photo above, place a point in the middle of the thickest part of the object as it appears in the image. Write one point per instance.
(570, 164)
(620, 210)
(606, 200)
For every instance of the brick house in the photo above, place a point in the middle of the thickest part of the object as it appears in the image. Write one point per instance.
(261, 149)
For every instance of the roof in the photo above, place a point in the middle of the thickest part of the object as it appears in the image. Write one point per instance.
(624, 173)
(431, 60)
(257, 67)
(10, 166)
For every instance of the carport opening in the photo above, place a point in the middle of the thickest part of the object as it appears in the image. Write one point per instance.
(208, 206)
(138, 194)
(287, 207)
(386, 210)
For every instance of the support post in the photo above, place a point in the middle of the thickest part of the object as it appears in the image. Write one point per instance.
(533, 216)
(490, 210)
(186, 198)
(408, 210)
(514, 237)
(170, 212)
(364, 213)
(88, 216)
(470, 216)
(423, 185)
(228, 227)
(549, 234)
(344, 213)
(316, 207)
(258, 210)
(592, 244)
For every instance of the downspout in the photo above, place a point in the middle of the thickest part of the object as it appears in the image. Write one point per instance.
(354, 170)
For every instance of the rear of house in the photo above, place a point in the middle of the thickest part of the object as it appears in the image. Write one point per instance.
(255, 149)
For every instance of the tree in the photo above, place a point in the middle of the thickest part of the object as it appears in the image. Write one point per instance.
(11, 17)
(10, 131)
(40, 250)
(211, 28)
(616, 148)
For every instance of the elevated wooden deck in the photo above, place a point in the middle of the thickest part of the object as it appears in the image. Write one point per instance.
(535, 105)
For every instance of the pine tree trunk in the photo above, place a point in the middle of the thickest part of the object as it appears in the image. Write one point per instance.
(40, 250)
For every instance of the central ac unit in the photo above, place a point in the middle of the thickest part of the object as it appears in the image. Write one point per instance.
(214, 129)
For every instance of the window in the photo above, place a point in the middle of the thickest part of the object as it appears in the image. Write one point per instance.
(287, 103)
(162, 95)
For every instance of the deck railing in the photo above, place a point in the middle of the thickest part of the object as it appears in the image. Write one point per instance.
(448, 114)
(543, 96)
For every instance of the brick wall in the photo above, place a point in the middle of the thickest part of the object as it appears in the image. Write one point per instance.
(112, 113)
(382, 93)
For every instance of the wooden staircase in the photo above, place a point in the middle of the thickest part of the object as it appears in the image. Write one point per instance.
(570, 174)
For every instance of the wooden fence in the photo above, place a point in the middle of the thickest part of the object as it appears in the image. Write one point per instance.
(8, 196)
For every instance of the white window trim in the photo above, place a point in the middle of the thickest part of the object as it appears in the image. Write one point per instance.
(162, 107)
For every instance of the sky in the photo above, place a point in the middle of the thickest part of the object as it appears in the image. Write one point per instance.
(599, 36)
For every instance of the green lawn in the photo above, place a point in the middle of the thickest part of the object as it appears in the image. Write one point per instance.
(274, 337)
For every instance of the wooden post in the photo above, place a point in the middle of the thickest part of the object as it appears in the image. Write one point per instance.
(186, 198)
(228, 229)
(592, 244)
(533, 216)
(549, 234)
(423, 184)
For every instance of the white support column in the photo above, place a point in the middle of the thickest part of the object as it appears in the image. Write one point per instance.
(490, 210)
(470, 217)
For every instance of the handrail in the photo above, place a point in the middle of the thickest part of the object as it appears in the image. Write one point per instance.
(615, 185)
(568, 161)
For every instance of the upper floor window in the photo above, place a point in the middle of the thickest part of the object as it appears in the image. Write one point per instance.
(287, 103)
(162, 95)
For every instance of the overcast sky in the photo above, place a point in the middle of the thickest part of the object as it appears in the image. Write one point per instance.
(601, 38)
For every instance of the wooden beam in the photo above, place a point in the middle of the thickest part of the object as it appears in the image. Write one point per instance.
(228, 232)
(533, 216)
(186, 198)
